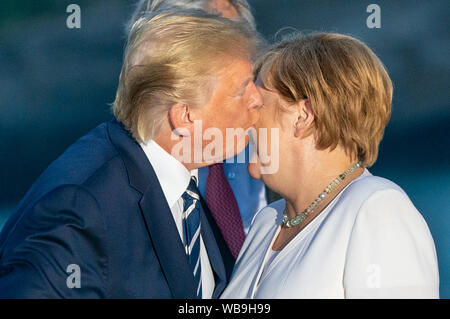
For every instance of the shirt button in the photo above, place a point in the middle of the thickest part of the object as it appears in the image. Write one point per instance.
(231, 175)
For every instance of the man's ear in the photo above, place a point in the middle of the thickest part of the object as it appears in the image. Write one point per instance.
(180, 119)
(305, 118)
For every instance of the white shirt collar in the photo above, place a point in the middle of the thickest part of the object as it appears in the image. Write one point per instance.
(173, 176)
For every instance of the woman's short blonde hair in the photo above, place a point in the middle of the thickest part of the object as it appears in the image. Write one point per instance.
(348, 87)
(172, 58)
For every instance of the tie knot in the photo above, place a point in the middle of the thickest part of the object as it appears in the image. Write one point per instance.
(218, 167)
(192, 189)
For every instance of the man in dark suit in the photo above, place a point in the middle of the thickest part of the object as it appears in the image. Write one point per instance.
(118, 215)
(232, 196)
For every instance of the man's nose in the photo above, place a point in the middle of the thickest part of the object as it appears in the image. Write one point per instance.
(256, 99)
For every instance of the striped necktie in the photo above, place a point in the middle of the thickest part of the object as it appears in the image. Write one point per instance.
(191, 224)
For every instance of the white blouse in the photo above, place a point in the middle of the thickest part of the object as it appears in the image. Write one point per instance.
(369, 242)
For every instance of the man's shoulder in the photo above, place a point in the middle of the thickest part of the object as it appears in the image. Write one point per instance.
(88, 177)
(90, 156)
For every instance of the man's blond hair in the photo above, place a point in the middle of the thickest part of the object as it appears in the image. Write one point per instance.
(172, 58)
(349, 89)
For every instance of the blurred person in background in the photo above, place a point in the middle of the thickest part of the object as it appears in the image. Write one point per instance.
(238, 10)
(339, 231)
(231, 194)
(116, 215)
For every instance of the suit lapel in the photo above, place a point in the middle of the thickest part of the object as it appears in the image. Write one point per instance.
(167, 243)
(215, 258)
(219, 255)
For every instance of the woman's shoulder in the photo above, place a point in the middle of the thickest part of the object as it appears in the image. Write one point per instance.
(375, 200)
(379, 199)
(368, 187)
(368, 184)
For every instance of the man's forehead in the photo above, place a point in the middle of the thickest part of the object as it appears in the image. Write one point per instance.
(239, 70)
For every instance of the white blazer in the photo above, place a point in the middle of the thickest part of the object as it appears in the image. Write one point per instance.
(370, 242)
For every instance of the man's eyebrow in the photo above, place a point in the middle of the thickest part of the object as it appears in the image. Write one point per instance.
(244, 85)
(241, 89)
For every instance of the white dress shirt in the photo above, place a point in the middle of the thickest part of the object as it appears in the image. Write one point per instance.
(174, 179)
(369, 242)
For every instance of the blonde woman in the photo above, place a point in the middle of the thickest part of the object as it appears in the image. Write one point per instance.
(339, 231)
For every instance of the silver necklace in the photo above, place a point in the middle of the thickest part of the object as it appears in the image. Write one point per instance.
(297, 220)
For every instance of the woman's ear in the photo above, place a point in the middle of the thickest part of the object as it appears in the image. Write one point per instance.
(305, 118)
(180, 120)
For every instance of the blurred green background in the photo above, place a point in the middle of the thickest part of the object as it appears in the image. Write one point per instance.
(56, 83)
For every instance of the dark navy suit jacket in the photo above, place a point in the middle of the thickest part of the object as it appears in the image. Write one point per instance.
(101, 207)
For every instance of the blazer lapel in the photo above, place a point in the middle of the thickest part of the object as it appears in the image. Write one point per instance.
(219, 255)
(166, 240)
(215, 258)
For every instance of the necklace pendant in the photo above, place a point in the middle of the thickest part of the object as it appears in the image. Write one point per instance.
(297, 220)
